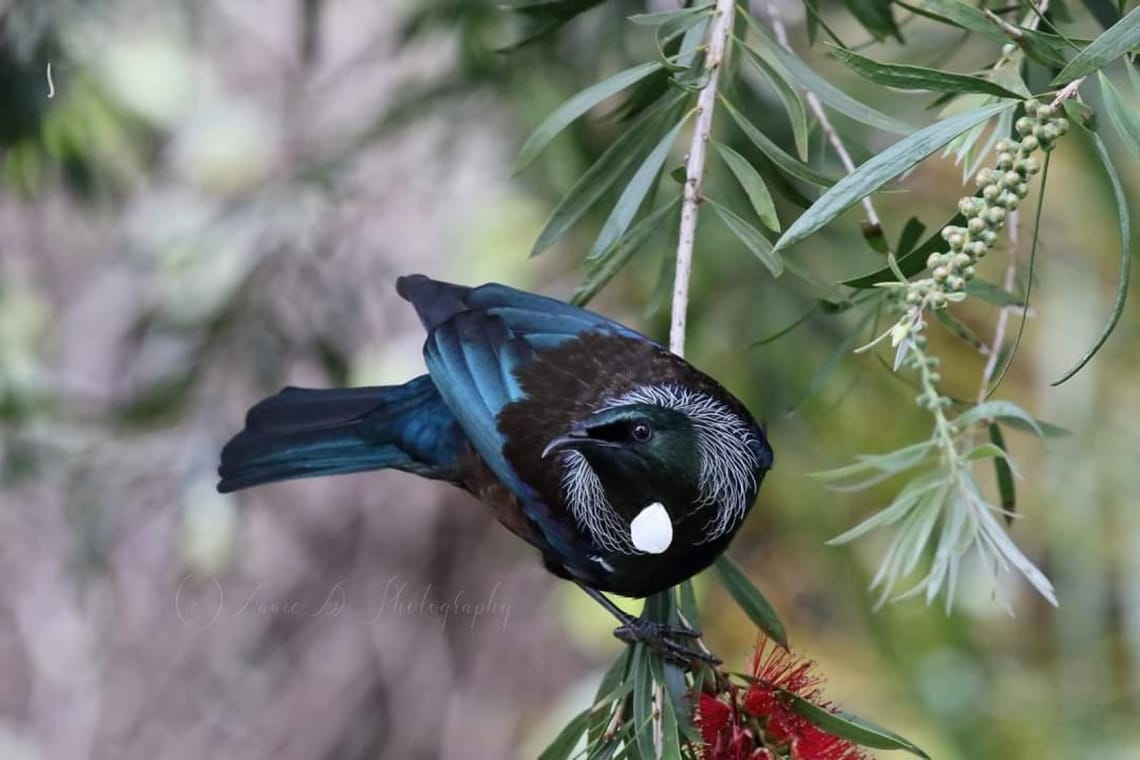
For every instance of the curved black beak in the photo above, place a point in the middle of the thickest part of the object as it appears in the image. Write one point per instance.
(574, 438)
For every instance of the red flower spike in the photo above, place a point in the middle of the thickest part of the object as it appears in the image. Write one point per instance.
(728, 729)
(712, 717)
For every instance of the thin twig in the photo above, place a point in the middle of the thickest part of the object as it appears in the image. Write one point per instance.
(1003, 313)
(719, 30)
(816, 107)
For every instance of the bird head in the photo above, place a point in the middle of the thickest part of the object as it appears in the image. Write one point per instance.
(639, 451)
(654, 457)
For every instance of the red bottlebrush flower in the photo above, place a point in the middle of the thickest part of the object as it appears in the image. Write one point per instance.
(712, 717)
(762, 722)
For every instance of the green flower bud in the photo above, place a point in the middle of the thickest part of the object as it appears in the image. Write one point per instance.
(989, 192)
(1062, 125)
(962, 260)
(1049, 134)
(1044, 113)
(1004, 145)
(995, 215)
(978, 249)
(949, 230)
(989, 237)
(1010, 179)
(968, 273)
(957, 240)
(935, 378)
(970, 206)
(984, 177)
(1030, 143)
(1021, 190)
(941, 273)
(955, 283)
(933, 260)
(1032, 165)
(1024, 126)
(1005, 161)
(976, 226)
(1031, 106)
(912, 297)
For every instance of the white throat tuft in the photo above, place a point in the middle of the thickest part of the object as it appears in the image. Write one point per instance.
(652, 530)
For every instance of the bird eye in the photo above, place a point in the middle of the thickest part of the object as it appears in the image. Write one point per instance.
(641, 431)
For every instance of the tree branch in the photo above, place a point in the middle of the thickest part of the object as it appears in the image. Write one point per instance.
(720, 27)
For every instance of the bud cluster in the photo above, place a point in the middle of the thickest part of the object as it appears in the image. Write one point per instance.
(1003, 188)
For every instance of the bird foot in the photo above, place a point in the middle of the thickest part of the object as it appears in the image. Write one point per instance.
(666, 639)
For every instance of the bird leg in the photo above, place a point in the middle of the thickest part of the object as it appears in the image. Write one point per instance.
(661, 637)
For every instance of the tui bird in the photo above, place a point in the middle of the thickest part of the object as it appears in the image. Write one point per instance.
(628, 468)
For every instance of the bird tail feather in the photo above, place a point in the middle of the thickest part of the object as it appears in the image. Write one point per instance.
(301, 433)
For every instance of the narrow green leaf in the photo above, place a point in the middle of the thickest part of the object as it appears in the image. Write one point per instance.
(959, 329)
(1038, 427)
(751, 237)
(687, 604)
(824, 90)
(1123, 215)
(852, 728)
(664, 17)
(840, 352)
(1107, 47)
(577, 105)
(627, 150)
(643, 701)
(546, 7)
(913, 494)
(750, 600)
(1124, 118)
(668, 683)
(753, 185)
(783, 160)
(876, 17)
(883, 167)
(1081, 113)
(563, 745)
(991, 293)
(793, 102)
(890, 463)
(614, 259)
(998, 410)
(1004, 474)
(962, 15)
(785, 329)
(910, 235)
(635, 192)
(910, 263)
(614, 686)
(906, 77)
(986, 451)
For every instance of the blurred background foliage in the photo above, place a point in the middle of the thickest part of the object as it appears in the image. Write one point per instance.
(215, 202)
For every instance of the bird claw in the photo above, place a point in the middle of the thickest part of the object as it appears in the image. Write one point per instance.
(662, 638)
